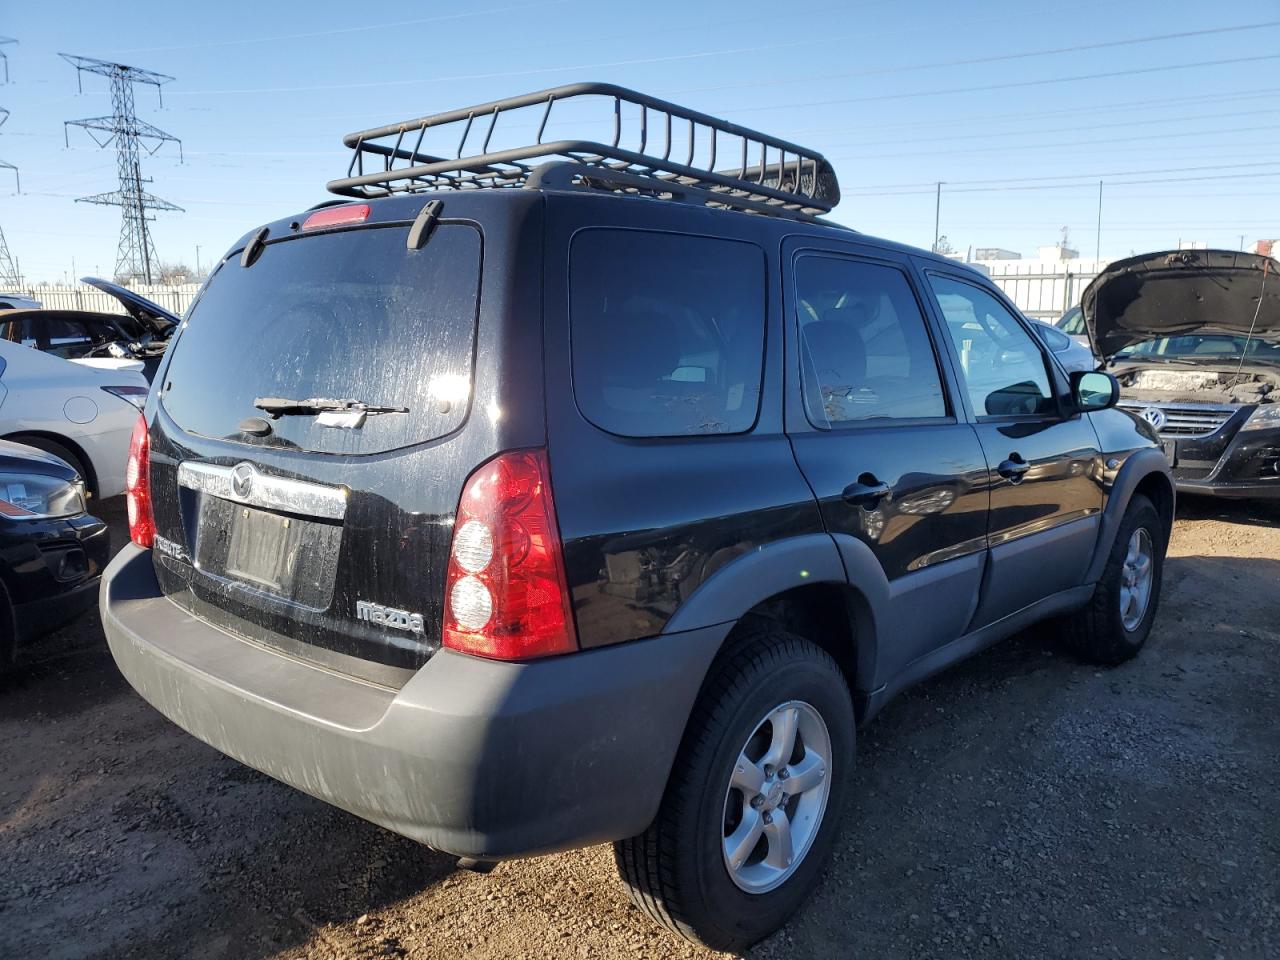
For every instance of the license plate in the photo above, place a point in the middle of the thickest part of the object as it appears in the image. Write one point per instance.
(264, 549)
(284, 556)
(1170, 451)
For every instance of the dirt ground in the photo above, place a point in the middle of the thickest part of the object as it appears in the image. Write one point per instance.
(1021, 805)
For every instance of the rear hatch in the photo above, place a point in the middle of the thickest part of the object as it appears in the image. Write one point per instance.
(327, 535)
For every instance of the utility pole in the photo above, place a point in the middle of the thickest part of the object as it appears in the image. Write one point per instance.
(937, 217)
(1097, 254)
(1242, 243)
(197, 261)
(136, 256)
(9, 276)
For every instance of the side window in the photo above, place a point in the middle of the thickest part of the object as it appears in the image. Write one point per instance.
(667, 332)
(1072, 322)
(1003, 369)
(865, 352)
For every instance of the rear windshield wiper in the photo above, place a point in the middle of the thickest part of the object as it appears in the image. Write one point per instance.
(276, 407)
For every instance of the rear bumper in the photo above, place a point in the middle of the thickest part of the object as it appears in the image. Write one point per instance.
(473, 757)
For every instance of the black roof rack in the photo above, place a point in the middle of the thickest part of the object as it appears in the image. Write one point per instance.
(657, 149)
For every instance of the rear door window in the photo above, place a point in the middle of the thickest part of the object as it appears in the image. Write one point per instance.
(345, 315)
(667, 332)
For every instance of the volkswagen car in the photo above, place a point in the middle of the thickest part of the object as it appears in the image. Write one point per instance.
(1193, 337)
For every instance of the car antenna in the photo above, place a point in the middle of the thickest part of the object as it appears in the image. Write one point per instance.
(1266, 268)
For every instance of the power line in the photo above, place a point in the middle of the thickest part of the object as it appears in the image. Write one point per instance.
(1081, 176)
(315, 34)
(1004, 147)
(995, 58)
(1126, 124)
(705, 54)
(1015, 84)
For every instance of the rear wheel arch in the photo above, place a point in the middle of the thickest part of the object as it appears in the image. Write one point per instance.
(833, 616)
(83, 462)
(801, 583)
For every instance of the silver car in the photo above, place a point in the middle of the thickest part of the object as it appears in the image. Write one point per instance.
(1072, 354)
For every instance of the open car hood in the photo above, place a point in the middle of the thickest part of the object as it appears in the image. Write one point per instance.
(1181, 292)
(151, 315)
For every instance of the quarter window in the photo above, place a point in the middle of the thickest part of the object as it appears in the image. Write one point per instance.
(667, 332)
(865, 353)
(1003, 369)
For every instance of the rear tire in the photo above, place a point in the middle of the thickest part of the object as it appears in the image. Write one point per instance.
(769, 689)
(62, 453)
(1114, 626)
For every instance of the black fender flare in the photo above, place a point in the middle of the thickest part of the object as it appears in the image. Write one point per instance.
(745, 581)
(1136, 468)
(782, 565)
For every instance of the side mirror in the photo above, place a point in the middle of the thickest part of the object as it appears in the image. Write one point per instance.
(1094, 390)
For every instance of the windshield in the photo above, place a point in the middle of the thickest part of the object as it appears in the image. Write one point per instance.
(351, 314)
(1195, 347)
(1072, 322)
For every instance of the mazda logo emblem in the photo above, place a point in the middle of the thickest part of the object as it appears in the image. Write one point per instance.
(1155, 416)
(242, 480)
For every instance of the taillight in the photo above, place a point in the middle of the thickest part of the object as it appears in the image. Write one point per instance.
(137, 486)
(506, 595)
(337, 216)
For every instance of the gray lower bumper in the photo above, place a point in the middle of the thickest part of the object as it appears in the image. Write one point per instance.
(473, 757)
(1235, 491)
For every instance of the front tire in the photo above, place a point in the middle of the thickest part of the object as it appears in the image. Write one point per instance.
(1114, 626)
(755, 796)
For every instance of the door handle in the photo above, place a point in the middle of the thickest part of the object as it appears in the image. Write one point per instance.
(1013, 469)
(866, 492)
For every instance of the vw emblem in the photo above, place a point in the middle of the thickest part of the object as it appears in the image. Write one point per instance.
(242, 479)
(1155, 416)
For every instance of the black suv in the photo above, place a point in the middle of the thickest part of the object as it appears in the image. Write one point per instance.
(587, 491)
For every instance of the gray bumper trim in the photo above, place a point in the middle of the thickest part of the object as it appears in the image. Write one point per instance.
(473, 757)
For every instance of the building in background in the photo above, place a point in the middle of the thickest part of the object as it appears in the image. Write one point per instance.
(995, 253)
(1057, 252)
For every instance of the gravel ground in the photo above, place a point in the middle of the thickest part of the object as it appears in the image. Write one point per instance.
(1020, 805)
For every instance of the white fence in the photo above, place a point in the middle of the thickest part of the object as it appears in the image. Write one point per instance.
(1040, 288)
(173, 297)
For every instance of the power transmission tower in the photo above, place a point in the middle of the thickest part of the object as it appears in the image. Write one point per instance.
(8, 269)
(136, 256)
(4, 59)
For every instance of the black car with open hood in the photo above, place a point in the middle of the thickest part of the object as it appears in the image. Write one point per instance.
(1193, 336)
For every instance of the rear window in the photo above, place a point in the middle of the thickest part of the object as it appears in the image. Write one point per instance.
(352, 314)
(667, 332)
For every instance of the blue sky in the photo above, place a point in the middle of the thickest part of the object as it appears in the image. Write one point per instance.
(1016, 106)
